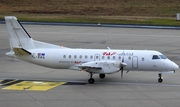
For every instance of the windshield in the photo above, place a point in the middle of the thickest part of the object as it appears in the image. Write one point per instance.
(159, 57)
(163, 57)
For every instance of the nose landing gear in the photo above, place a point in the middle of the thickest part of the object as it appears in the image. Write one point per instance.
(160, 80)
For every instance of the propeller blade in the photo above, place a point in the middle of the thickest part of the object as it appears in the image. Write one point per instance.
(122, 73)
(121, 68)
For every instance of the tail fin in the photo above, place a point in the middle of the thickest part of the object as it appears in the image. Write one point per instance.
(20, 41)
(18, 36)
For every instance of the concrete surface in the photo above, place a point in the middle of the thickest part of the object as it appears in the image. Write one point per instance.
(136, 89)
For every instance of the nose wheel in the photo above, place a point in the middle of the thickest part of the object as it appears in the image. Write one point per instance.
(160, 80)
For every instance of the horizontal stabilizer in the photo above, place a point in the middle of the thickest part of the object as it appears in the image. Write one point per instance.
(21, 51)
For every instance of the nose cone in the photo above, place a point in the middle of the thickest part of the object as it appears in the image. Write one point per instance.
(175, 66)
(172, 66)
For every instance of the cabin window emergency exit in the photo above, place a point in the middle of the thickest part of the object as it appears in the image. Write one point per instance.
(135, 62)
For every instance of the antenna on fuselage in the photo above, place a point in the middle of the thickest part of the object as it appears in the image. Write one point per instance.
(109, 48)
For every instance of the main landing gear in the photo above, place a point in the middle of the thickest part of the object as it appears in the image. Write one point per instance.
(91, 80)
(160, 80)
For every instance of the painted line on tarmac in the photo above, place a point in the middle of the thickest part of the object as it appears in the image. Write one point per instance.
(33, 85)
(15, 84)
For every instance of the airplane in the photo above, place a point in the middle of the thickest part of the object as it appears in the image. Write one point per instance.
(92, 61)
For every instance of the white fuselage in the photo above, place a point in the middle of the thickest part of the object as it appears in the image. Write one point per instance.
(139, 60)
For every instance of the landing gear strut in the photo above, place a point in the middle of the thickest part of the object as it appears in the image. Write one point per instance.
(160, 80)
(91, 80)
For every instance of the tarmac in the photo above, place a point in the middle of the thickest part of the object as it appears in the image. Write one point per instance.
(27, 85)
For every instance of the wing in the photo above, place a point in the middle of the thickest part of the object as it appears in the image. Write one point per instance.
(106, 67)
(89, 68)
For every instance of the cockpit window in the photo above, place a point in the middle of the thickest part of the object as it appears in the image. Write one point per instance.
(155, 57)
(163, 57)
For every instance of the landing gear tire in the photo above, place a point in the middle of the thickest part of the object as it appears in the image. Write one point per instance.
(102, 76)
(160, 80)
(91, 81)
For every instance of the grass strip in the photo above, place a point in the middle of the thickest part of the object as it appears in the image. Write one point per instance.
(96, 19)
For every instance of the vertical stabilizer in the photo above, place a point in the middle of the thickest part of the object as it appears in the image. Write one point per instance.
(18, 36)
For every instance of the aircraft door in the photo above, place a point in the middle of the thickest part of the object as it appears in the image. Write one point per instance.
(96, 57)
(135, 62)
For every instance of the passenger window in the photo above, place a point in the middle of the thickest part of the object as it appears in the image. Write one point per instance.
(155, 57)
(108, 57)
(91, 57)
(114, 57)
(102, 57)
(64, 56)
(119, 57)
(69, 56)
(80, 56)
(75, 56)
(86, 57)
(96, 57)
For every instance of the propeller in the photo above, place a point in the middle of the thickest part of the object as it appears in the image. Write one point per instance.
(122, 68)
(122, 65)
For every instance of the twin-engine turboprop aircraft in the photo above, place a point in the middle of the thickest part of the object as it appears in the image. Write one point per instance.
(93, 61)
